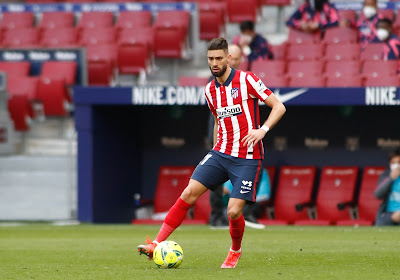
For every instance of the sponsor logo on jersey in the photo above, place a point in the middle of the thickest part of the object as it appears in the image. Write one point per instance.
(229, 111)
(247, 187)
(235, 93)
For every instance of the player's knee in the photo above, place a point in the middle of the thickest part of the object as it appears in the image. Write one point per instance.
(189, 196)
(234, 213)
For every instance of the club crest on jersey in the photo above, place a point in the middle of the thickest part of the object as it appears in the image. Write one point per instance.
(235, 92)
(229, 111)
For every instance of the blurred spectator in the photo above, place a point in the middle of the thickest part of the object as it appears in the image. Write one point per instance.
(251, 209)
(389, 191)
(366, 24)
(313, 16)
(391, 46)
(253, 45)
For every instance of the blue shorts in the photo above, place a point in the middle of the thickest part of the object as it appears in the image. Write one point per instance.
(216, 168)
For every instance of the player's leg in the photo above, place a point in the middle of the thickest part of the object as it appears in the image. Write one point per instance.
(175, 216)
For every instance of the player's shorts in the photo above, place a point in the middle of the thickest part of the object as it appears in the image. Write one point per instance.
(216, 168)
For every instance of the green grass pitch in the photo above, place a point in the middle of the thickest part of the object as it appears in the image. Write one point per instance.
(42, 251)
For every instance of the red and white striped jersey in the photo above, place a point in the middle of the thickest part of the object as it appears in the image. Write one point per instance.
(235, 104)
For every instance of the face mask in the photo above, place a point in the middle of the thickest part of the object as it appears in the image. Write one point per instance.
(247, 38)
(382, 34)
(369, 11)
(246, 50)
(394, 166)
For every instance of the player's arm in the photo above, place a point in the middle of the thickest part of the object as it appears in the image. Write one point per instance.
(278, 110)
(215, 130)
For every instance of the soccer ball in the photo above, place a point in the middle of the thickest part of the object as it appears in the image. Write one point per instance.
(168, 254)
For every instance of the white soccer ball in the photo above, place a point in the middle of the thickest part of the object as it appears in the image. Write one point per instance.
(168, 254)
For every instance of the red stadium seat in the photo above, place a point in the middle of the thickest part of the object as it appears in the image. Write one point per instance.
(275, 2)
(279, 51)
(101, 61)
(192, 81)
(98, 36)
(168, 19)
(18, 106)
(103, 53)
(344, 81)
(172, 180)
(133, 58)
(202, 208)
(340, 35)
(305, 52)
(238, 12)
(96, 19)
(387, 13)
(337, 187)
(367, 203)
(350, 15)
(169, 42)
(372, 51)
(342, 52)
(299, 37)
(294, 190)
(56, 20)
(15, 69)
(140, 35)
(342, 68)
(265, 68)
(17, 20)
(382, 81)
(307, 81)
(60, 37)
(133, 19)
(305, 68)
(380, 68)
(212, 22)
(276, 81)
(22, 37)
(54, 96)
(60, 70)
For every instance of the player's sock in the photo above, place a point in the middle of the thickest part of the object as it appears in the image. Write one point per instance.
(236, 229)
(173, 219)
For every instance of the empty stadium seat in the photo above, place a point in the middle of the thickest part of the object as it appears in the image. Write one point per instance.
(372, 51)
(18, 106)
(60, 37)
(293, 194)
(340, 35)
(169, 42)
(299, 37)
(96, 19)
(342, 52)
(103, 52)
(265, 68)
(102, 59)
(350, 15)
(212, 22)
(276, 81)
(342, 68)
(98, 36)
(172, 180)
(305, 68)
(367, 203)
(307, 81)
(237, 12)
(54, 96)
(380, 68)
(133, 19)
(140, 35)
(305, 52)
(382, 81)
(15, 69)
(56, 20)
(192, 81)
(60, 70)
(17, 20)
(279, 51)
(344, 81)
(180, 19)
(133, 58)
(21, 37)
(337, 187)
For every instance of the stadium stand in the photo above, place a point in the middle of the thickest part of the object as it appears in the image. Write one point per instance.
(17, 20)
(60, 37)
(135, 19)
(372, 52)
(266, 68)
(337, 186)
(54, 95)
(307, 81)
(56, 20)
(344, 81)
(60, 70)
(342, 68)
(367, 203)
(102, 59)
(340, 35)
(96, 19)
(212, 20)
(98, 36)
(15, 69)
(342, 52)
(192, 81)
(298, 37)
(305, 52)
(237, 12)
(22, 37)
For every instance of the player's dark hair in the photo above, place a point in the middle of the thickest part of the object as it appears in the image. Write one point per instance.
(218, 44)
(384, 20)
(395, 153)
(246, 25)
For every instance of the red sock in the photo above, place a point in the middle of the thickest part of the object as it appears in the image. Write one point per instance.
(173, 219)
(236, 229)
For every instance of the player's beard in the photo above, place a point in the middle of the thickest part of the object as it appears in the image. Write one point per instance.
(220, 73)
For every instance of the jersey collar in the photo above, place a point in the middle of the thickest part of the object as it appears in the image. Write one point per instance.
(228, 81)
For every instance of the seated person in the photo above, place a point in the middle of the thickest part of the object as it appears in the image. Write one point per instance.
(389, 191)
(366, 24)
(313, 16)
(384, 34)
(251, 209)
(253, 45)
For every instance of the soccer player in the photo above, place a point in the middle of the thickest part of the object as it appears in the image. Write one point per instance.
(233, 99)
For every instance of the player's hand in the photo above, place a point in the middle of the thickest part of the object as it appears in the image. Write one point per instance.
(396, 217)
(253, 137)
(395, 173)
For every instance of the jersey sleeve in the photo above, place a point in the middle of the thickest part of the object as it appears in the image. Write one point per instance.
(208, 98)
(256, 87)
